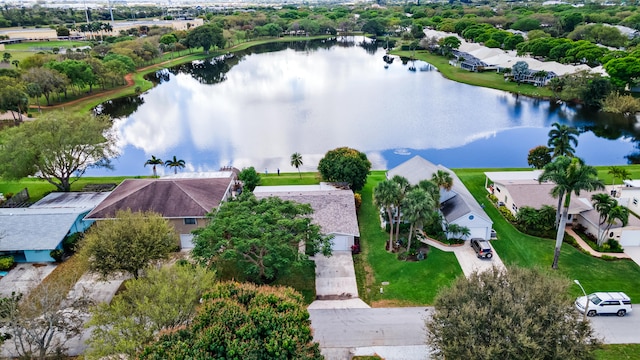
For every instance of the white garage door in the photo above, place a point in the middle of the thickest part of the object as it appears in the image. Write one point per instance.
(186, 241)
(630, 238)
(341, 243)
(480, 232)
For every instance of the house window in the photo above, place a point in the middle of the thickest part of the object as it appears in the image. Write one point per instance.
(190, 221)
(471, 217)
(497, 188)
(635, 201)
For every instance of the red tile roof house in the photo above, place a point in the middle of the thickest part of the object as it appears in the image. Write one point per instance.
(183, 199)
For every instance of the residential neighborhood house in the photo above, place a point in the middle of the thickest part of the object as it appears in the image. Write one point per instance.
(457, 205)
(183, 199)
(334, 209)
(516, 189)
(30, 234)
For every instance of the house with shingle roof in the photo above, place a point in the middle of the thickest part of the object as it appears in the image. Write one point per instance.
(30, 234)
(334, 209)
(457, 205)
(183, 200)
(516, 189)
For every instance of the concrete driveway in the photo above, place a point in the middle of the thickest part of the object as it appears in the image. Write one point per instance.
(469, 261)
(24, 277)
(336, 286)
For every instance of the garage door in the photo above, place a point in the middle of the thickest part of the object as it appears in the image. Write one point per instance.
(186, 241)
(341, 243)
(480, 232)
(630, 238)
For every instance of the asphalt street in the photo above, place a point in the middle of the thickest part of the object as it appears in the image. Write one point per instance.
(351, 328)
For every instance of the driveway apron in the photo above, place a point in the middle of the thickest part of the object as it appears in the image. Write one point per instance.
(336, 285)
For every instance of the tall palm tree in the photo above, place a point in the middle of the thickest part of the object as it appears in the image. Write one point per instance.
(404, 186)
(418, 208)
(175, 164)
(616, 213)
(561, 138)
(443, 179)
(296, 161)
(154, 161)
(555, 172)
(571, 175)
(384, 196)
(603, 203)
(431, 187)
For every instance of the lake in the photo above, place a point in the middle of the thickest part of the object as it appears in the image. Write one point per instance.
(260, 106)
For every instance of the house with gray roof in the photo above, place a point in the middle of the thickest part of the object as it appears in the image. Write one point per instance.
(30, 234)
(457, 205)
(184, 199)
(334, 209)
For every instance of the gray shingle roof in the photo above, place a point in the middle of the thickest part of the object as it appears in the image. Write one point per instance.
(456, 203)
(35, 229)
(172, 198)
(536, 195)
(333, 210)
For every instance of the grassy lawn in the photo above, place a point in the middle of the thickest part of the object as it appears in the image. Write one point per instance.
(410, 283)
(618, 352)
(23, 50)
(489, 79)
(517, 249)
(39, 188)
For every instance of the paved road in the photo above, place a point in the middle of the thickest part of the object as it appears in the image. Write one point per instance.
(399, 329)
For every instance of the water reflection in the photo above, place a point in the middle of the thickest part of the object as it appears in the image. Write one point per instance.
(259, 107)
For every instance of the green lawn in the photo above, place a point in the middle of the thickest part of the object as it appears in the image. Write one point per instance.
(619, 352)
(410, 283)
(517, 249)
(23, 50)
(39, 188)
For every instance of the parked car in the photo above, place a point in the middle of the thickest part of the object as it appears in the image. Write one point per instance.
(482, 248)
(605, 303)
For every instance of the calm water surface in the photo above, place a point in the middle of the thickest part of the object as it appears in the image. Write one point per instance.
(260, 107)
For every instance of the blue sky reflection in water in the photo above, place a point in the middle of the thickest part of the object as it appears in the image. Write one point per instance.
(310, 100)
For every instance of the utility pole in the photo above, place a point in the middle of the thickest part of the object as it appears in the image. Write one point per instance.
(86, 12)
(111, 12)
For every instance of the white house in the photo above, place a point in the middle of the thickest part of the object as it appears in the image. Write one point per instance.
(457, 205)
(334, 209)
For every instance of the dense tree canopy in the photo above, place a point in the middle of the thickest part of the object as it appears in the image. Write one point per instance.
(130, 242)
(345, 165)
(206, 36)
(515, 314)
(262, 237)
(243, 321)
(58, 148)
(164, 299)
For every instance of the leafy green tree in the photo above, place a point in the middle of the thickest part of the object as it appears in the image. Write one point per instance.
(537, 222)
(449, 43)
(263, 237)
(166, 298)
(374, 26)
(78, 72)
(296, 161)
(129, 243)
(242, 321)
(499, 314)
(58, 148)
(519, 70)
(345, 165)
(206, 36)
(175, 163)
(561, 138)
(385, 196)
(13, 97)
(526, 24)
(49, 80)
(620, 104)
(153, 162)
(539, 156)
(623, 71)
(250, 177)
(570, 175)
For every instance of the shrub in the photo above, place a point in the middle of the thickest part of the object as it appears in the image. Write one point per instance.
(69, 243)
(358, 199)
(403, 255)
(6, 263)
(493, 198)
(506, 213)
(57, 255)
(614, 245)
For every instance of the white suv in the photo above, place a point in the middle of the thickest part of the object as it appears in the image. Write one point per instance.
(605, 303)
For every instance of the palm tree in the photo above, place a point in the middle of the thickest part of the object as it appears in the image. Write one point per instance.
(617, 212)
(431, 187)
(457, 229)
(571, 175)
(384, 196)
(443, 179)
(555, 172)
(175, 164)
(560, 139)
(418, 208)
(153, 161)
(603, 203)
(296, 161)
(404, 186)
(619, 173)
